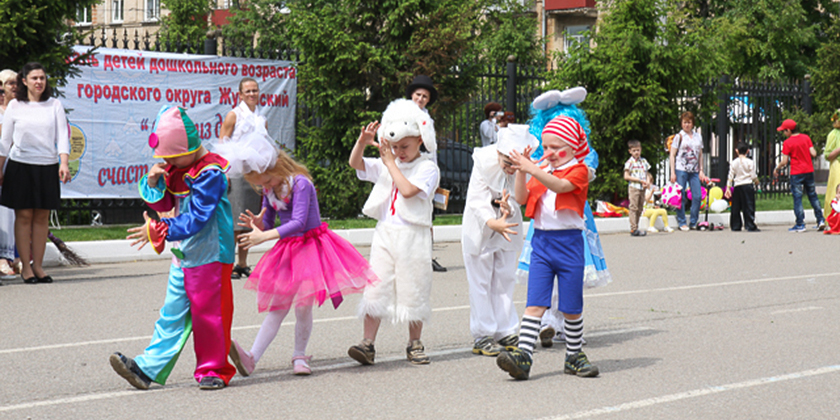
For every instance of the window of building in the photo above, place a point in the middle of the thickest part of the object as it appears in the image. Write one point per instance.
(84, 15)
(575, 35)
(117, 10)
(152, 10)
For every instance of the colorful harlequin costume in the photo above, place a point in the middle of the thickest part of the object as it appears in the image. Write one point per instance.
(199, 297)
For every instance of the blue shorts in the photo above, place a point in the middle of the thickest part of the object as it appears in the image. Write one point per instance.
(557, 253)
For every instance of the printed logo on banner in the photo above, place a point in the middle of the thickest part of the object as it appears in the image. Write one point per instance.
(116, 97)
(78, 143)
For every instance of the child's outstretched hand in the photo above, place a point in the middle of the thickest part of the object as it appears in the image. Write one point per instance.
(247, 218)
(139, 233)
(522, 162)
(501, 226)
(503, 203)
(368, 135)
(386, 153)
(155, 172)
(253, 238)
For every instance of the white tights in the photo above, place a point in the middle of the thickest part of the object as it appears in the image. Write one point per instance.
(271, 324)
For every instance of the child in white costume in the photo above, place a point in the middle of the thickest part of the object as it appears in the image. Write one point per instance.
(491, 238)
(404, 180)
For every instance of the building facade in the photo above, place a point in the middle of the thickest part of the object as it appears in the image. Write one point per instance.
(565, 22)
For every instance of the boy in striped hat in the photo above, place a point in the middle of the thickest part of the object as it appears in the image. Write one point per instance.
(555, 197)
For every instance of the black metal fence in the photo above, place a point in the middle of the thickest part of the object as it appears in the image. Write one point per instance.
(749, 112)
(513, 86)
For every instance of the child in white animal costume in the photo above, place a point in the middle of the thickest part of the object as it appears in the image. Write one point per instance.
(405, 179)
(491, 239)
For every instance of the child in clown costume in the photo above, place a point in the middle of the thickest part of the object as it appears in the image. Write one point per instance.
(199, 297)
(555, 197)
(491, 237)
(596, 274)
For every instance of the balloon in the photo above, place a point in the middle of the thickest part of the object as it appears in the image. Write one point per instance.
(719, 205)
(715, 194)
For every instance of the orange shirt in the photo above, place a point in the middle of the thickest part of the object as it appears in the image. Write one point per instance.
(573, 200)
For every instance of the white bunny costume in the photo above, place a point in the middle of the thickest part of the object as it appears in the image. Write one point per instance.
(402, 243)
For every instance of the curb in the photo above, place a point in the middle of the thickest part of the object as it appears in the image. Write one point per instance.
(120, 250)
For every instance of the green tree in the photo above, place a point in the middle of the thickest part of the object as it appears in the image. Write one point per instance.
(358, 55)
(509, 27)
(826, 77)
(41, 31)
(186, 21)
(648, 53)
(258, 22)
(766, 39)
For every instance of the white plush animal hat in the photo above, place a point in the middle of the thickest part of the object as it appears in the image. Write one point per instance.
(515, 137)
(403, 118)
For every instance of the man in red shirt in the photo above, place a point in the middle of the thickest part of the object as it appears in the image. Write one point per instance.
(800, 152)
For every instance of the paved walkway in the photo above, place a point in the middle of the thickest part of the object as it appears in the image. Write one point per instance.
(696, 325)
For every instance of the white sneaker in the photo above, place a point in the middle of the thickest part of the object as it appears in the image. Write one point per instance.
(669, 229)
(652, 229)
(684, 228)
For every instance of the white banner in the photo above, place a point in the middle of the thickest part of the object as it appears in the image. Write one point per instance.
(114, 102)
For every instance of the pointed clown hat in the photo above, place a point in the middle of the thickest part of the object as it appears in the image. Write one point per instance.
(515, 137)
(173, 134)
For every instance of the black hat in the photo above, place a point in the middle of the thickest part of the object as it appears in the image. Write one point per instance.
(425, 82)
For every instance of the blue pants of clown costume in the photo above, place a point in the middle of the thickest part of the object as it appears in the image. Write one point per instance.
(175, 324)
(595, 272)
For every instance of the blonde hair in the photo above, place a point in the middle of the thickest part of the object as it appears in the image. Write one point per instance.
(284, 168)
(6, 75)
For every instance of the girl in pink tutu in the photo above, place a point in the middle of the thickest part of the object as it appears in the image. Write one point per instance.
(308, 265)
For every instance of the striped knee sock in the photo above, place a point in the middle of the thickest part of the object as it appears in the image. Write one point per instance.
(529, 332)
(574, 333)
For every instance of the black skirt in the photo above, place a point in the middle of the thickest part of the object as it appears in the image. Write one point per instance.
(28, 186)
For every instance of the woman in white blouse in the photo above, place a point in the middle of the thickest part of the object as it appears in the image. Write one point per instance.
(36, 141)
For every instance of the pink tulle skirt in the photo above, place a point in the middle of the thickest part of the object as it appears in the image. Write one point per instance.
(308, 269)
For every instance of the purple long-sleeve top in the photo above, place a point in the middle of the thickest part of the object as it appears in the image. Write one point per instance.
(302, 215)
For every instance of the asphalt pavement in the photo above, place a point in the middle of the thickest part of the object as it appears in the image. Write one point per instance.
(695, 325)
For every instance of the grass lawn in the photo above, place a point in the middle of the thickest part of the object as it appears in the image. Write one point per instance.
(97, 233)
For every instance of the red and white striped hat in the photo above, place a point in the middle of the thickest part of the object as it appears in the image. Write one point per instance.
(569, 131)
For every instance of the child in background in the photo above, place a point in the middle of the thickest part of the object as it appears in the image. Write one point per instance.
(742, 176)
(833, 219)
(555, 197)
(491, 237)
(654, 210)
(405, 179)
(308, 264)
(199, 297)
(636, 173)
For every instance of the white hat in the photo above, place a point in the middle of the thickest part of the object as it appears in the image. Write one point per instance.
(515, 137)
(403, 118)
(551, 98)
(252, 152)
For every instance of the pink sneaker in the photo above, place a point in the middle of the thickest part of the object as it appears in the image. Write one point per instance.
(242, 359)
(302, 368)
